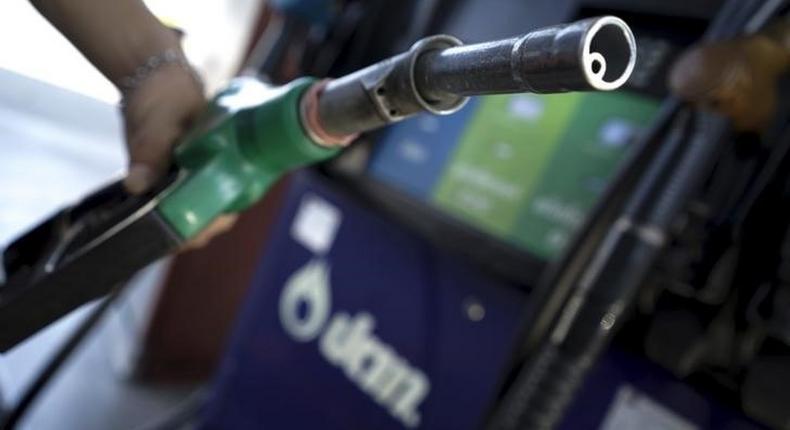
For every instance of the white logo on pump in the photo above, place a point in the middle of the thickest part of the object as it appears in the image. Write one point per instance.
(348, 342)
(308, 287)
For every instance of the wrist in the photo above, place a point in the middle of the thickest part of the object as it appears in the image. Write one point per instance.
(138, 48)
(169, 59)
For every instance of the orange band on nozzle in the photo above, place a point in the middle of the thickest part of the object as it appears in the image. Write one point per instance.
(311, 119)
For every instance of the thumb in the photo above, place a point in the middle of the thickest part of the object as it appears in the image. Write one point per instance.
(140, 178)
(149, 156)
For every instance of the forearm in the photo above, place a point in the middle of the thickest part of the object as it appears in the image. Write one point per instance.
(116, 36)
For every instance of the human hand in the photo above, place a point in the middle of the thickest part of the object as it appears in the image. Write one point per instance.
(120, 37)
(156, 114)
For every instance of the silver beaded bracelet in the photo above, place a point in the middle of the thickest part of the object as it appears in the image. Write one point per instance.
(130, 83)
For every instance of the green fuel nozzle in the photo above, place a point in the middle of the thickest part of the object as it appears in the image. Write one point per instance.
(253, 134)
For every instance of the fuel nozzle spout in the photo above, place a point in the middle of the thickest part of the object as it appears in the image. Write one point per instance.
(592, 54)
(439, 73)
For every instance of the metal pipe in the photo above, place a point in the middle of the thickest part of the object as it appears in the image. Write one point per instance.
(592, 54)
(438, 74)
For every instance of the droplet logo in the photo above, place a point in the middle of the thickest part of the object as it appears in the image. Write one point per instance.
(308, 288)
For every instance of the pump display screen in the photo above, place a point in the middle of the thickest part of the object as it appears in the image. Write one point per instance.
(523, 168)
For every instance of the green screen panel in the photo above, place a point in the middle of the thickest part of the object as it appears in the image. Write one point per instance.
(584, 158)
(500, 158)
(523, 168)
(528, 168)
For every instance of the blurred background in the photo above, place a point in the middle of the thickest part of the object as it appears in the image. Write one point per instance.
(441, 242)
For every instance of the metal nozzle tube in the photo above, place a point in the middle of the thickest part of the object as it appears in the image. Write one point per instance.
(592, 54)
(438, 74)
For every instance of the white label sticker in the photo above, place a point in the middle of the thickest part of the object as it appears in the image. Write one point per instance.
(316, 224)
(634, 410)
